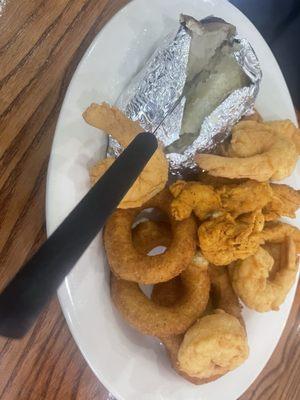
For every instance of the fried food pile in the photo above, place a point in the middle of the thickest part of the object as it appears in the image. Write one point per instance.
(206, 245)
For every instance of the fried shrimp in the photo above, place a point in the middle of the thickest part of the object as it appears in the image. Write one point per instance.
(256, 152)
(128, 263)
(276, 231)
(225, 239)
(152, 319)
(155, 174)
(252, 282)
(213, 346)
(287, 128)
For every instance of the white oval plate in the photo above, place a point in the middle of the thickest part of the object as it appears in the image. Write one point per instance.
(130, 365)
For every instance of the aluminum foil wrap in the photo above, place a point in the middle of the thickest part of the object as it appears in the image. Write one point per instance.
(193, 89)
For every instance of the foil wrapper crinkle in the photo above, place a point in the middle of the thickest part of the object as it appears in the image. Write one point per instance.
(162, 94)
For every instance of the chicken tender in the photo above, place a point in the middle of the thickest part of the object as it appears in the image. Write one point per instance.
(225, 239)
(193, 197)
(222, 294)
(245, 197)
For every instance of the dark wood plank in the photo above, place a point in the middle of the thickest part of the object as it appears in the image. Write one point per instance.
(41, 43)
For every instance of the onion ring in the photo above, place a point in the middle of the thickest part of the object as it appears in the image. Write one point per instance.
(148, 235)
(128, 263)
(152, 319)
(219, 337)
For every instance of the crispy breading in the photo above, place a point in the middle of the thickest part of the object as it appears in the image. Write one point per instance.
(213, 346)
(225, 239)
(284, 203)
(193, 197)
(155, 174)
(245, 197)
(257, 151)
(287, 128)
(276, 231)
(153, 319)
(112, 121)
(252, 282)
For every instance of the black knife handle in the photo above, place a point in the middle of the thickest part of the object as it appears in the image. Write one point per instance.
(33, 286)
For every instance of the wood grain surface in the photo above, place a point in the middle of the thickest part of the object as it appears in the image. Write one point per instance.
(41, 43)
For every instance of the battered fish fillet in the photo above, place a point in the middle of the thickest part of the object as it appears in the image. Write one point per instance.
(225, 239)
(284, 203)
(155, 174)
(252, 281)
(193, 197)
(245, 197)
(256, 152)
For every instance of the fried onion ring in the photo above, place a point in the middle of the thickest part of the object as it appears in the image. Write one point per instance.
(216, 343)
(152, 319)
(128, 263)
(252, 282)
(148, 235)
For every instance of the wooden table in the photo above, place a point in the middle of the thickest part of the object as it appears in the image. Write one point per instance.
(41, 43)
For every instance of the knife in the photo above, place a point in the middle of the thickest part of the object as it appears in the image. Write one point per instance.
(37, 281)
